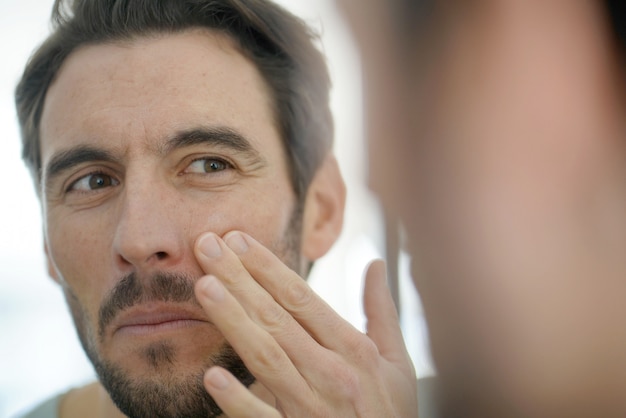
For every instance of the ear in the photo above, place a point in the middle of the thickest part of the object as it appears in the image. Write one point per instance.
(52, 271)
(323, 210)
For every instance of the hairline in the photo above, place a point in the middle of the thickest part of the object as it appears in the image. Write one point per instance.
(221, 36)
(281, 45)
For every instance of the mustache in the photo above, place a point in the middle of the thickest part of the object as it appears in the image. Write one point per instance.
(130, 291)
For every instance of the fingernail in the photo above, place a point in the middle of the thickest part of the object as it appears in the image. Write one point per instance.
(209, 246)
(237, 242)
(216, 378)
(212, 288)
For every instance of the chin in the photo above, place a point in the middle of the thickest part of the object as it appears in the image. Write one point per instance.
(159, 380)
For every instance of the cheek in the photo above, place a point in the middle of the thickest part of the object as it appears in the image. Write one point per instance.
(80, 251)
(263, 212)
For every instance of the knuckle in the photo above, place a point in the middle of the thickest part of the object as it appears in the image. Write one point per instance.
(272, 317)
(364, 352)
(298, 294)
(269, 357)
(348, 384)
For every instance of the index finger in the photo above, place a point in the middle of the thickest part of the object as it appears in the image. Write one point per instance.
(293, 294)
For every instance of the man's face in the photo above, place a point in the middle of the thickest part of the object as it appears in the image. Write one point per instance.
(146, 145)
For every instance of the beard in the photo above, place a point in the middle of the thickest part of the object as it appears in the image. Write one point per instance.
(165, 393)
(173, 397)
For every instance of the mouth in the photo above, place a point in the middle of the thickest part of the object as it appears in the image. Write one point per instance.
(153, 319)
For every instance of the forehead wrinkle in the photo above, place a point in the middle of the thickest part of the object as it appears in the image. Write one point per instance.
(144, 134)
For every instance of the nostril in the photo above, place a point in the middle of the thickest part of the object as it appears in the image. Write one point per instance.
(161, 255)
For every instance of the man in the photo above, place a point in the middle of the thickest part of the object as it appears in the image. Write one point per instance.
(181, 150)
(497, 138)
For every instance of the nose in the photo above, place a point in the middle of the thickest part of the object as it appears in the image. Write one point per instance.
(149, 234)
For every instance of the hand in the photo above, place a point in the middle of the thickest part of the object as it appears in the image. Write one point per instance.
(312, 361)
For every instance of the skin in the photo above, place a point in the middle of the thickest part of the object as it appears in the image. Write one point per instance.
(143, 208)
(285, 332)
(505, 122)
(496, 138)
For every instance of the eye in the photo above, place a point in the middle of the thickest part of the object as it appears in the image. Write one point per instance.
(208, 165)
(93, 181)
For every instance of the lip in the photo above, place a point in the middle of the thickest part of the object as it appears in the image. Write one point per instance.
(156, 318)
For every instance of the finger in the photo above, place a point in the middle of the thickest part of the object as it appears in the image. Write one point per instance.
(294, 295)
(218, 259)
(304, 352)
(233, 398)
(383, 325)
(257, 348)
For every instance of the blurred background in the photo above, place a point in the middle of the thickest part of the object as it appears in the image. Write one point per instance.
(39, 352)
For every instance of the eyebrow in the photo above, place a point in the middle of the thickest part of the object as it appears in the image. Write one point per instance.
(214, 136)
(70, 158)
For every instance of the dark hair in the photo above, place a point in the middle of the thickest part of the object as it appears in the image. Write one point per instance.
(281, 45)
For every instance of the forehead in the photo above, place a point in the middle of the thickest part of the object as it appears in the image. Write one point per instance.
(149, 87)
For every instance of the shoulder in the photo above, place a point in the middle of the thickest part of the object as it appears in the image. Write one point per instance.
(47, 409)
(77, 402)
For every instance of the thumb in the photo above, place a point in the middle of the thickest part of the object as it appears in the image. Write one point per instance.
(383, 325)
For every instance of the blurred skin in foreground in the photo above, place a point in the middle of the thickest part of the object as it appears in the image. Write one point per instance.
(496, 135)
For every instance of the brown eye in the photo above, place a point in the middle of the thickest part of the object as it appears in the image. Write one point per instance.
(208, 165)
(214, 165)
(92, 182)
(98, 181)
